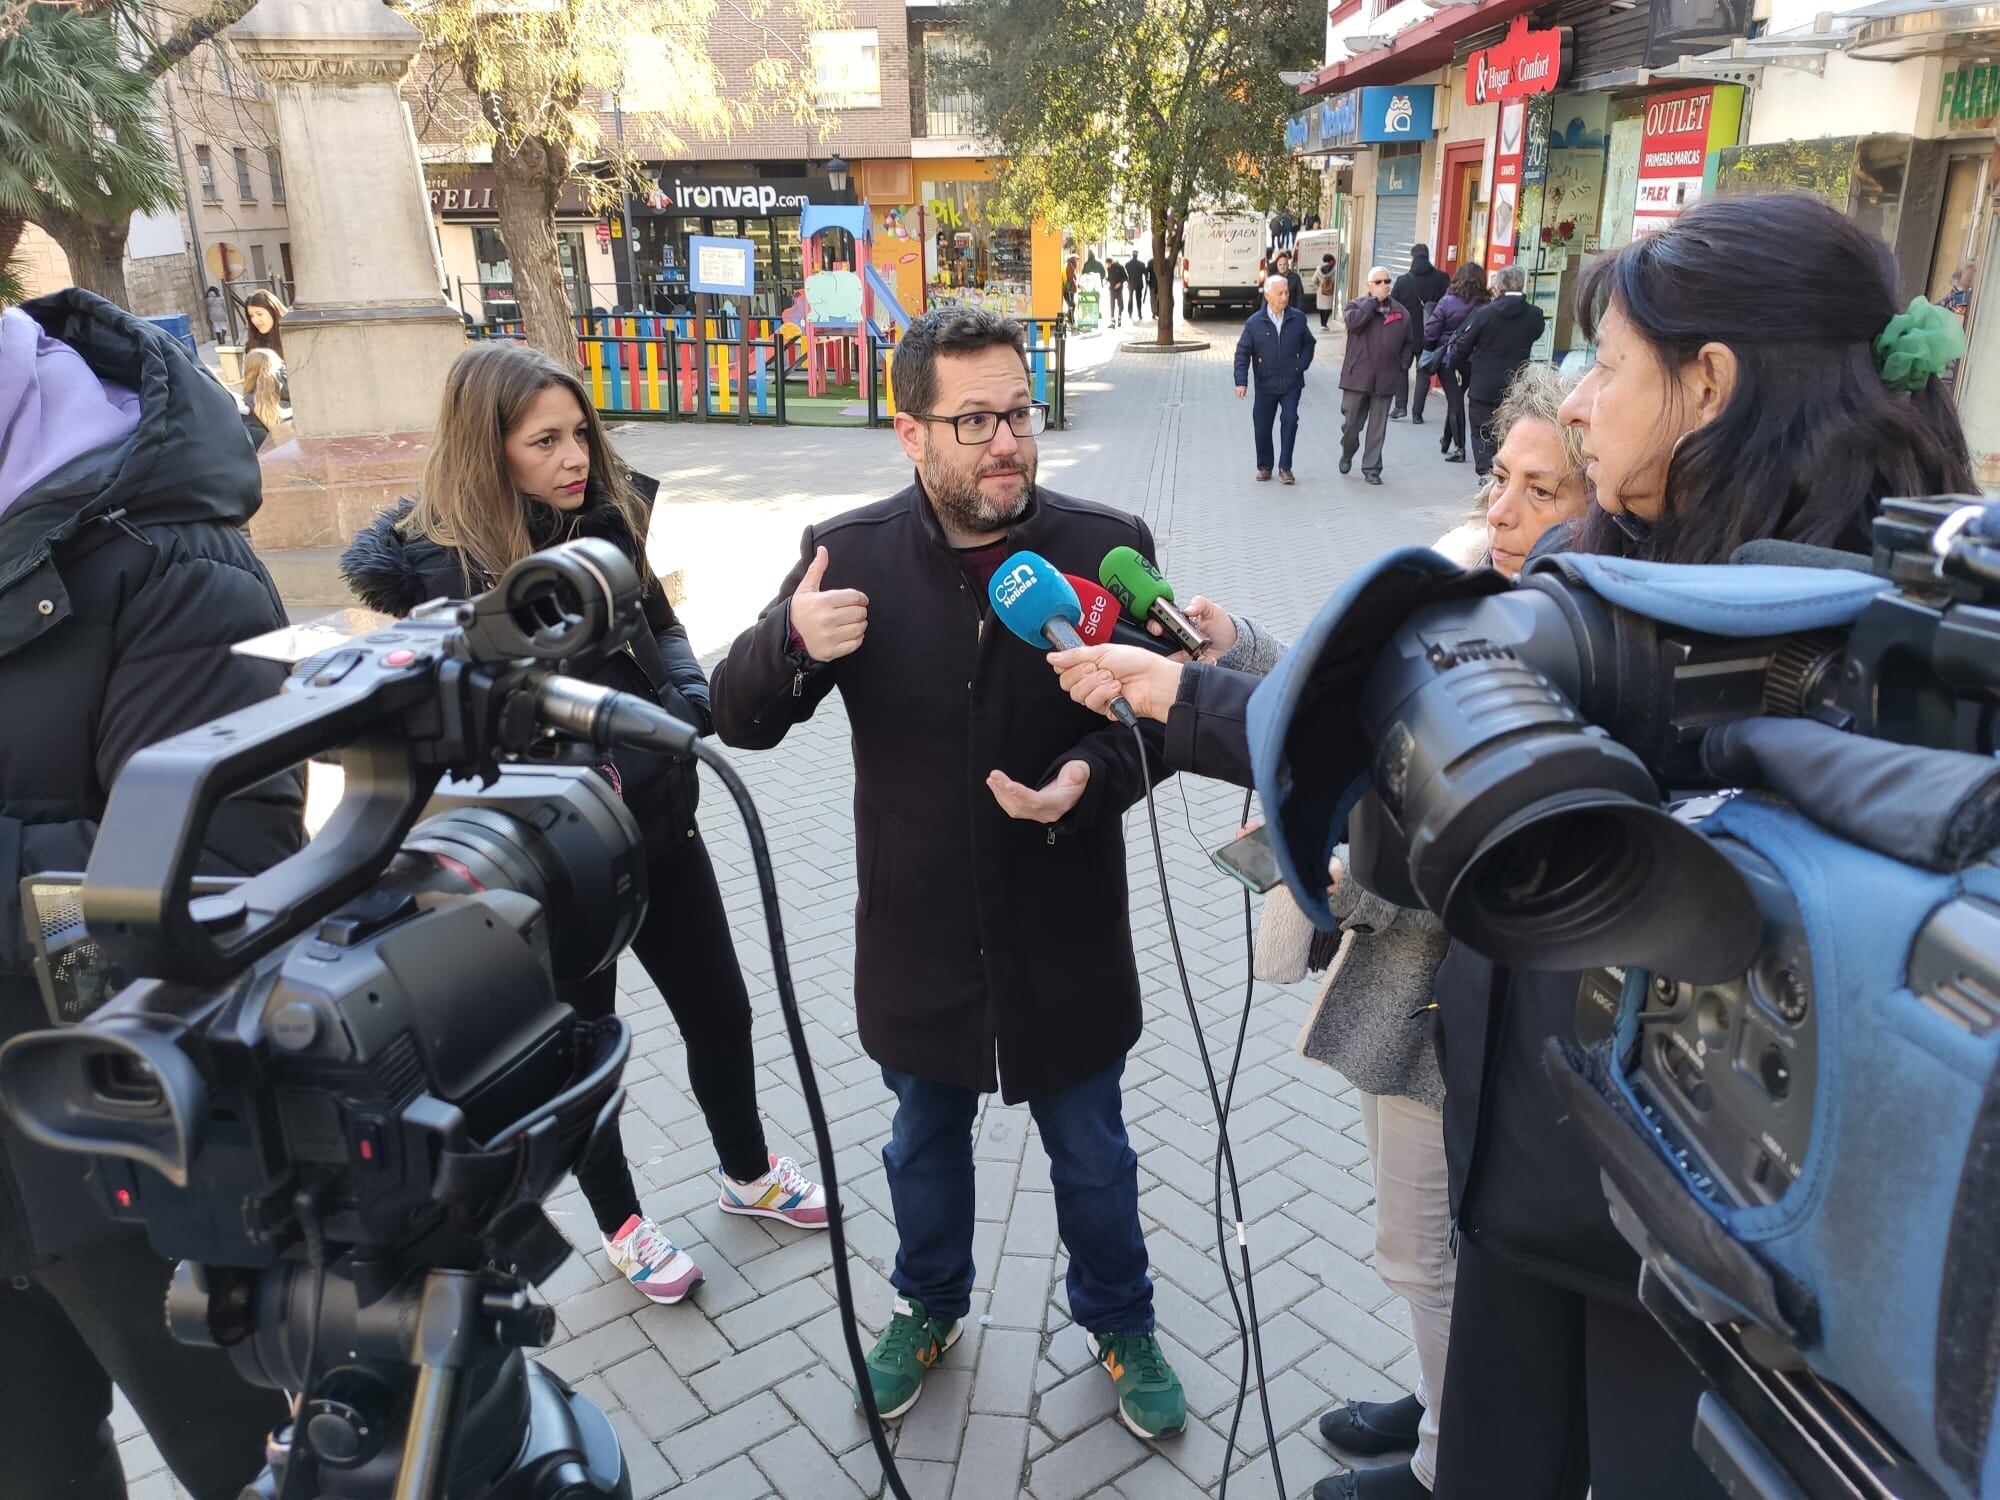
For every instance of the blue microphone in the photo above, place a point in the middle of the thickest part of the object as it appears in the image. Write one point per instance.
(1032, 598)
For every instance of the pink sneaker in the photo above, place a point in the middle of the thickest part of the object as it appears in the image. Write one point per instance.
(652, 1262)
(782, 1193)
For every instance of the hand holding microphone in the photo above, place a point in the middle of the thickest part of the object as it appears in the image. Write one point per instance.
(832, 623)
(1146, 595)
(1038, 604)
(1100, 677)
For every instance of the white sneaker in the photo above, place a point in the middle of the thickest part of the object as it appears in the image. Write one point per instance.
(783, 1193)
(651, 1261)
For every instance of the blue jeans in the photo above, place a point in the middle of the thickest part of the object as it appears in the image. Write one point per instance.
(1094, 1171)
(1285, 407)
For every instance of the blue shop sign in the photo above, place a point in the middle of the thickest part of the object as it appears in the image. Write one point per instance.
(1297, 130)
(1401, 113)
(1338, 119)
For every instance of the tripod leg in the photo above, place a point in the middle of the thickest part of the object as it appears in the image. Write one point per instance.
(427, 1445)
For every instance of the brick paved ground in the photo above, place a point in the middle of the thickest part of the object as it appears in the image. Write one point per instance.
(741, 1391)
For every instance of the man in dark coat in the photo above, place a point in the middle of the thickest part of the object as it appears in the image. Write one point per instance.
(992, 932)
(1114, 275)
(1416, 289)
(1495, 342)
(1380, 331)
(124, 580)
(1277, 343)
(1136, 285)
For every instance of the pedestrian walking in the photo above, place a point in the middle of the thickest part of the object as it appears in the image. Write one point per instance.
(218, 314)
(1278, 345)
(1326, 294)
(521, 462)
(1467, 292)
(1281, 264)
(1495, 342)
(264, 313)
(1371, 371)
(1418, 289)
(1069, 290)
(993, 944)
(1115, 275)
(1135, 285)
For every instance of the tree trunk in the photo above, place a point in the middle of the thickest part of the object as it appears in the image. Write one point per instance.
(1166, 260)
(11, 228)
(529, 178)
(96, 250)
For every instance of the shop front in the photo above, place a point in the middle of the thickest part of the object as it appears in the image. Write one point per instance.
(479, 274)
(972, 257)
(728, 201)
(1388, 131)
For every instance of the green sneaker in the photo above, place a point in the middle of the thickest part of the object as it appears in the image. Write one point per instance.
(903, 1356)
(1150, 1400)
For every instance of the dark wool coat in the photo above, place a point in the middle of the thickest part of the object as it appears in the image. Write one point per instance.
(1495, 342)
(394, 574)
(1380, 338)
(125, 577)
(989, 952)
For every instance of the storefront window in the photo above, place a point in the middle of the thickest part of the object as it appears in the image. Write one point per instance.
(969, 260)
(1879, 166)
(660, 250)
(496, 273)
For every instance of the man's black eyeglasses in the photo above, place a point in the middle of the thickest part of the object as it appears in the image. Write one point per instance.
(977, 427)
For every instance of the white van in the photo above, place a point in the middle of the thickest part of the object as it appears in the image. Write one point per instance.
(1312, 244)
(1222, 263)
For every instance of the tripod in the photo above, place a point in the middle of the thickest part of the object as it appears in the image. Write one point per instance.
(423, 1392)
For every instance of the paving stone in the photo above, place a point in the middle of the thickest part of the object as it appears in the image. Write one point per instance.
(798, 1467)
(991, 1458)
(688, 1340)
(651, 1474)
(1085, 1464)
(723, 1385)
(759, 1320)
(653, 1394)
(1021, 1292)
(599, 1305)
(710, 1444)
(1031, 1225)
(935, 1426)
(1004, 1384)
(596, 1350)
(824, 1401)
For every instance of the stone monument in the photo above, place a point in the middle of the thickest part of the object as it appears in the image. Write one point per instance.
(370, 335)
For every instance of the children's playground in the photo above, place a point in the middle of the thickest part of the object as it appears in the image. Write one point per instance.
(826, 362)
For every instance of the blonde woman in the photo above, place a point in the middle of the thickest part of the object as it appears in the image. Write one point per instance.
(520, 462)
(1369, 1021)
(265, 416)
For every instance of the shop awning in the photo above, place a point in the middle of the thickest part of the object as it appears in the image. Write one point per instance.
(1891, 30)
(1430, 43)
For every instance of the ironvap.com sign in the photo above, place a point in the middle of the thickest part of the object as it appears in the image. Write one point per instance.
(770, 197)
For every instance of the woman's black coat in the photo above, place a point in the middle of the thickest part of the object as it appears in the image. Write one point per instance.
(125, 578)
(394, 573)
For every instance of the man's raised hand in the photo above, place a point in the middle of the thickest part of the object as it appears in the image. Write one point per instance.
(833, 622)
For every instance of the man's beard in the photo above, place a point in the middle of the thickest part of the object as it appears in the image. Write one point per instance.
(964, 506)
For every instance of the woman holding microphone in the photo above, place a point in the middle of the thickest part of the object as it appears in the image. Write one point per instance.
(1716, 415)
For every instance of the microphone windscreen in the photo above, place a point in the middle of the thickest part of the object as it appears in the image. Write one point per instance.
(1027, 592)
(1134, 582)
(1100, 610)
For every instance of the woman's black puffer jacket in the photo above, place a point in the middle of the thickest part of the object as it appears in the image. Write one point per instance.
(394, 573)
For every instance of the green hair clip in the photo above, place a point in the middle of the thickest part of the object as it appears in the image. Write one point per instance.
(1916, 345)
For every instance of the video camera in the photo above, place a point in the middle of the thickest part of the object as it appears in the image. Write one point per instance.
(340, 1090)
(1789, 1004)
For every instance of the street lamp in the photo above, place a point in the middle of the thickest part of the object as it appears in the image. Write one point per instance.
(836, 176)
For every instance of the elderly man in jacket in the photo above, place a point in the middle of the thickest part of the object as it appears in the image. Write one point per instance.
(993, 945)
(1277, 343)
(1380, 333)
(125, 578)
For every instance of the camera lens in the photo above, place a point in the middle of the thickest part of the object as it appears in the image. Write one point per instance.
(1552, 865)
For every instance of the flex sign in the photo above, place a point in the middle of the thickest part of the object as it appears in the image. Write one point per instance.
(1396, 114)
(1523, 62)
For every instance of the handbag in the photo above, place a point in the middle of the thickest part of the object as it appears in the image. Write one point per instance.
(1431, 360)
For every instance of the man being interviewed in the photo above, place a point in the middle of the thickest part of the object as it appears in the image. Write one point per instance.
(993, 945)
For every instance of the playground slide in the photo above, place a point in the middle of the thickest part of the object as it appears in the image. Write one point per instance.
(887, 308)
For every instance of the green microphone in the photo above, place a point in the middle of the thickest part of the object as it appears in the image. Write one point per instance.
(1144, 594)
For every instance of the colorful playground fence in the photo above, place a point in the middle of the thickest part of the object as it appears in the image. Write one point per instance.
(646, 365)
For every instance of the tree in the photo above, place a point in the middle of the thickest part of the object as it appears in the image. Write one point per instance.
(80, 149)
(527, 78)
(1169, 105)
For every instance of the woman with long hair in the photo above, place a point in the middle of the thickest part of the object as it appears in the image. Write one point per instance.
(263, 312)
(1466, 292)
(266, 418)
(521, 462)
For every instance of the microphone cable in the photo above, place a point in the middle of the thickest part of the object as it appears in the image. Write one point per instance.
(788, 1002)
(1225, 1159)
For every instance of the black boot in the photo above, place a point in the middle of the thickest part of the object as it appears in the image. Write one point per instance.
(1374, 1428)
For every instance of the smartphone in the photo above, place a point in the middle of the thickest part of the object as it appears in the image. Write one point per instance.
(1250, 860)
